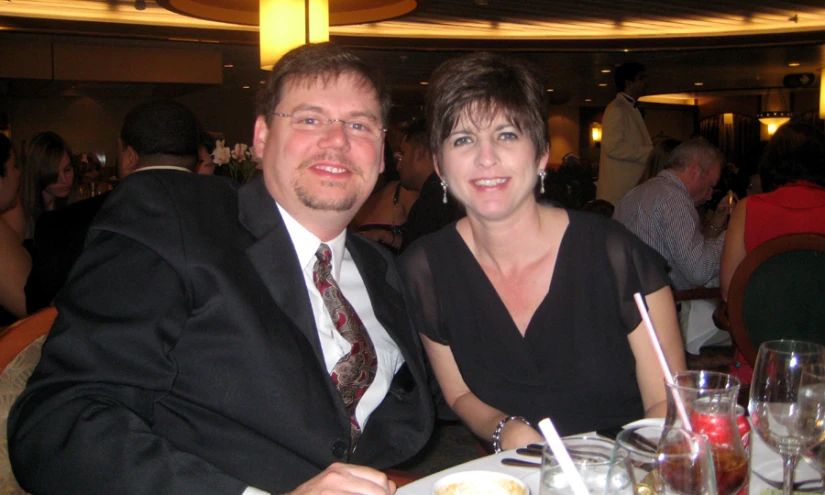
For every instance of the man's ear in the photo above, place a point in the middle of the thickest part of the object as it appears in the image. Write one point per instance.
(420, 152)
(130, 160)
(260, 136)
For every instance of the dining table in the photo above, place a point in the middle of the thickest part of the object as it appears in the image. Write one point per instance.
(763, 461)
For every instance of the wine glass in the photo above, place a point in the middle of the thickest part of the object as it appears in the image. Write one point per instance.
(786, 400)
(660, 461)
(815, 456)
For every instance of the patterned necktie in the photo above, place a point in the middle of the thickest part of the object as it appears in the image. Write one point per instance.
(354, 372)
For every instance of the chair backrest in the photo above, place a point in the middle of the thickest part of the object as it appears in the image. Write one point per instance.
(778, 292)
(20, 345)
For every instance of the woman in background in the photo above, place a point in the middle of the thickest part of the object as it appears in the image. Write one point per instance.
(658, 158)
(792, 172)
(47, 178)
(527, 311)
(15, 262)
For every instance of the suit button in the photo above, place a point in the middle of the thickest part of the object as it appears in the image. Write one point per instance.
(339, 449)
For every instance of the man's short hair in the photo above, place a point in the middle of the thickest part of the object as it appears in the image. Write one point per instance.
(696, 150)
(318, 62)
(161, 127)
(627, 72)
(416, 134)
(481, 85)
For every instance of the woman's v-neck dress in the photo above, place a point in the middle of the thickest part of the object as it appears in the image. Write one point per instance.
(574, 363)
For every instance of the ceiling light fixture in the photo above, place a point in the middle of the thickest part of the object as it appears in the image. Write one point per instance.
(605, 71)
(602, 85)
(286, 24)
(793, 64)
(549, 90)
(698, 83)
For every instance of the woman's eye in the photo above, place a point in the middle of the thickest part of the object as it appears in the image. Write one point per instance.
(462, 140)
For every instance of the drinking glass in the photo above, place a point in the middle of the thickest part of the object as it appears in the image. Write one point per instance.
(680, 463)
(709, 401)
(591, 456)
(787, 400)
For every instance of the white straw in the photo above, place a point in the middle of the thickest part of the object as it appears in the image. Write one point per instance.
(657, 347)
(566, 463)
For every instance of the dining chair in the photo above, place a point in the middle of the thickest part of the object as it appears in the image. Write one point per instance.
(778, 292)
(20, 345)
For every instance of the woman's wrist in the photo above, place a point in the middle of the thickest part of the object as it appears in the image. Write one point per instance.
(498, 433)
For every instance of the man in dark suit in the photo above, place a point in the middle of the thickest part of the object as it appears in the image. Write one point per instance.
(194, 351)
(59, 235)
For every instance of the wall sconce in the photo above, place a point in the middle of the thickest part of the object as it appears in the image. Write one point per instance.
(774, 119)
(596, 134)
(821, 95)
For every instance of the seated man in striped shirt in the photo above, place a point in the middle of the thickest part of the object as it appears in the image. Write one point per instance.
(662, 213)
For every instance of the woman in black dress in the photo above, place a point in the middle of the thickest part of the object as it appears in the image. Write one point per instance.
(526, 311)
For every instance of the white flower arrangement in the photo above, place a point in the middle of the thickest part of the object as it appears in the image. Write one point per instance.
(241, 160)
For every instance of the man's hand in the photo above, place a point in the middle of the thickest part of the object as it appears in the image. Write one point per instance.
(726, 204)
(347, 479)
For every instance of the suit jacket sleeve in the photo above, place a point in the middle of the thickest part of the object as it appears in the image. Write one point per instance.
(84, 423)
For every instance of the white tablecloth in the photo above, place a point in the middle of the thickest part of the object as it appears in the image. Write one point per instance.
(763, 460)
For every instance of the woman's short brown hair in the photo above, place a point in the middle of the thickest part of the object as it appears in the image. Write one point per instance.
(482, 85)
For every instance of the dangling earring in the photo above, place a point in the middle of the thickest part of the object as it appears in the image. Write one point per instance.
(444, 186)
(542, 175)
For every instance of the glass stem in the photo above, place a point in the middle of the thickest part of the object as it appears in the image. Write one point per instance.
(789, 464)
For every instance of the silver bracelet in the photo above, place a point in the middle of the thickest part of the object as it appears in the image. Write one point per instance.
(500, 426)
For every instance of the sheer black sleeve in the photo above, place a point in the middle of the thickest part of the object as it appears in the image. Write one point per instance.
(637, 268)
(423, 304)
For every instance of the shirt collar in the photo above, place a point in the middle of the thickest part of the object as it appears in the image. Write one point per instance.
(162, 167)
(628, 97)
(670, 176)
(306, 243)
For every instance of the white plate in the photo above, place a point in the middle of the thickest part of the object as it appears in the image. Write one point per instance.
(772, 470)
(645, 422)
(532, 481)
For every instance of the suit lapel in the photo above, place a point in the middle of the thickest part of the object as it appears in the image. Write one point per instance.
(274, 259)
(385, 296)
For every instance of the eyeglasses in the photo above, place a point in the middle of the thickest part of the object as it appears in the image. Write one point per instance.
(357, 128)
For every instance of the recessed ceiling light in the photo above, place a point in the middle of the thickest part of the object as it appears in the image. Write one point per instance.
(262, 81)
(602, 85)
(549, 90)
(245, 87)
(587, 99)
(605, 71)
(228, 66)
(424, 83)
(626, 50)
(793, 64)
(698, 84)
